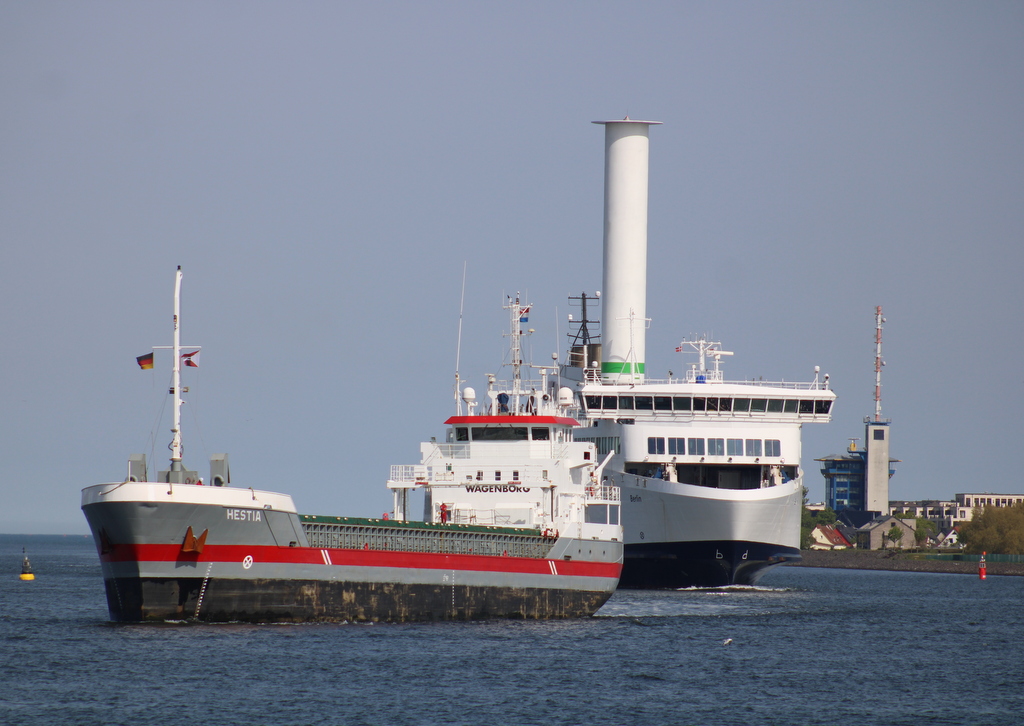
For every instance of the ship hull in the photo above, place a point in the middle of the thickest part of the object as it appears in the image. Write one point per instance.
(297, 600)
(183, 555)
(680, 535)
(722, 563)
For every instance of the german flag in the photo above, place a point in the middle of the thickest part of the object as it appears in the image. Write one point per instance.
(145, 361)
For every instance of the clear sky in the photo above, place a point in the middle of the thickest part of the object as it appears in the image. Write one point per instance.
(322, 171)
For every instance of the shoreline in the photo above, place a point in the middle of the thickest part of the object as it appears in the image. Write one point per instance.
(899, 562)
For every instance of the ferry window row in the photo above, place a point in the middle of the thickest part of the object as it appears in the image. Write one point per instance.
(706, 404)
(713, 447)
(503, 433)
(605, 444)
(497, 476)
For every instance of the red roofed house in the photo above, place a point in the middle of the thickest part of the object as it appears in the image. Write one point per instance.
(827, 537)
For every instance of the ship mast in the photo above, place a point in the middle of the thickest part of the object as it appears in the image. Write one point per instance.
(176, 376)
(518, 313)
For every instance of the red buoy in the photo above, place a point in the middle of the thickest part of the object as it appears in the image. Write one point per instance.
(981, 566)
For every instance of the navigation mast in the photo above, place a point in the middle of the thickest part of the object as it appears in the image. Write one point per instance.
(176, 474)
(176, 376)
(518, 313)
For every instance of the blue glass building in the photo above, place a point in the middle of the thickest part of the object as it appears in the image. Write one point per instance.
(858, 480)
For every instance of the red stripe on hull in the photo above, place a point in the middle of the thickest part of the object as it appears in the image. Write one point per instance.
(361, 558)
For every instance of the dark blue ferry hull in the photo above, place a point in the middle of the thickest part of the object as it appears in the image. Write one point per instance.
(673, 565)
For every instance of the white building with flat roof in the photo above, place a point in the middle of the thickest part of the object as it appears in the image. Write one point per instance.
(951, 513)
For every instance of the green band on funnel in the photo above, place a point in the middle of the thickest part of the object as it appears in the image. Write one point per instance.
(617, 368)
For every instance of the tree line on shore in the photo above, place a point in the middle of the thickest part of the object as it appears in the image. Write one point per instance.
(996, 530)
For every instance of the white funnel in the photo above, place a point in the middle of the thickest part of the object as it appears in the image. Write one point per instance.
(624, 295)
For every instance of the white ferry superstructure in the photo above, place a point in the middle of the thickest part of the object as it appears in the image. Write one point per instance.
(709, 469)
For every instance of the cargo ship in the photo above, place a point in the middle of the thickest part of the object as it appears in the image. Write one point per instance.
(709, 469)
(515, 525)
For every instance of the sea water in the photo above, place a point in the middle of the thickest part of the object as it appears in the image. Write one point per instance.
(808, 646)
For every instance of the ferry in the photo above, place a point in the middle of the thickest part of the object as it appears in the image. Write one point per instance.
(708, 469)
(515, 525)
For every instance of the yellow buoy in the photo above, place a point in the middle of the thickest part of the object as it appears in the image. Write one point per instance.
(26, 567)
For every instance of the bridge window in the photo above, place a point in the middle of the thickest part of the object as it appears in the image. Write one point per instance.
(499, 433)
(609, 402)
(753, 447)
(655, 445)
(807, 407)
(822, 406)
(772, 447)
(741, 405)
(677, 447)
(790, 405)
(681, 403)
(716, 447)
(700, 403)
(663, 403)
(644, 403)
(461, 433)
(725, 404)
(774, 405)
(626, 403)
(541, 433)
(696, 447)
(734, 447)
(758, 405)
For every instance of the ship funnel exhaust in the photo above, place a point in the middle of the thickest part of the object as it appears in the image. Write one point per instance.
(624, 295)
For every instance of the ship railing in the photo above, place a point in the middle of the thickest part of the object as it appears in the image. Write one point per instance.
(419, 474)
(695, 376)
(709, 377)
(529, 449)
(481, 516)
(407, 473)
(513, 474)
(603, 492)
(437, 539)
(530, 398)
